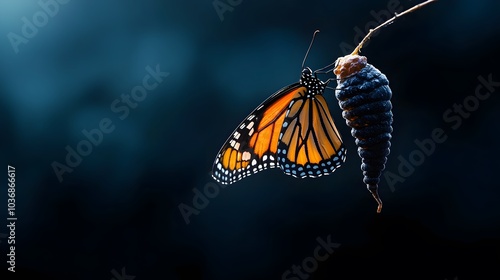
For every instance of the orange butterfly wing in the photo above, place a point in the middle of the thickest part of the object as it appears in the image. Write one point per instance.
(253, 145)
(309, 144)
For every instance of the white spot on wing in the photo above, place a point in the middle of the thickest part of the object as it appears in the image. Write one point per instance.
(246, 156)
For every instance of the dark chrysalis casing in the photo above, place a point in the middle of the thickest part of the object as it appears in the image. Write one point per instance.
(364, 96)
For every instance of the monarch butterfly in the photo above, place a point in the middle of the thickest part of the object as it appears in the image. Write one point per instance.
(292, 130)
(363, 93)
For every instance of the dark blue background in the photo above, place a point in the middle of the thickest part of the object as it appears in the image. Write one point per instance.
(119, 207)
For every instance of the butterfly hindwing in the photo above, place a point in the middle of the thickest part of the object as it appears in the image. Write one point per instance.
(309, 143)
(253, 145)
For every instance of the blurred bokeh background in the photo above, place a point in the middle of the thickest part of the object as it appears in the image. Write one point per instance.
(117, 209)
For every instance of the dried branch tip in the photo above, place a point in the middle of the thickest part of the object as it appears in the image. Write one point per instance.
(389, 21)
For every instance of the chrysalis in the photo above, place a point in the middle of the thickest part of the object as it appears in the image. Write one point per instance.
(364, 96)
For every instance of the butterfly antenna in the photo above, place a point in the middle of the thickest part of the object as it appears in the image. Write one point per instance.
(310, 45)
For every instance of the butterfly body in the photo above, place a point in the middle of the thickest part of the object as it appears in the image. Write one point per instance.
(291, 130)
(364, 95)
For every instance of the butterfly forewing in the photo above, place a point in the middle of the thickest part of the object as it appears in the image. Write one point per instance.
(253, 145)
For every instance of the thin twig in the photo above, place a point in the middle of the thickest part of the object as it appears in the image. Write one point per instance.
(389, 21)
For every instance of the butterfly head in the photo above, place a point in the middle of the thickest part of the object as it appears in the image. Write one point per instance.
(311, 82)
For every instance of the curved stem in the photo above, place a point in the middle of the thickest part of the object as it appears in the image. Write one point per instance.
(389, 21)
